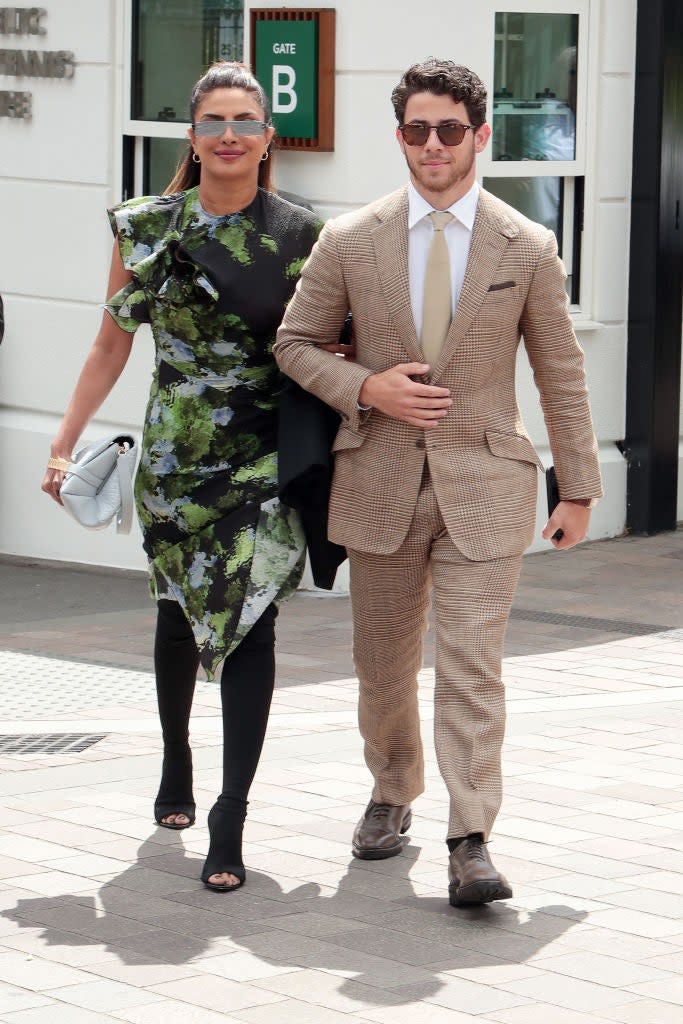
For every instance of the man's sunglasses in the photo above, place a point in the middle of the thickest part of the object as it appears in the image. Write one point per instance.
(218, 128)
(450, 133)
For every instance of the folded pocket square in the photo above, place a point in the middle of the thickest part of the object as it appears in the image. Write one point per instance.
(503, 284)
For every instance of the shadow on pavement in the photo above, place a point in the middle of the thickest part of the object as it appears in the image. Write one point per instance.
(388, 950)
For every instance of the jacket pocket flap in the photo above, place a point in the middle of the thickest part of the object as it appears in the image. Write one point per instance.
(512, 446)
(347, 439)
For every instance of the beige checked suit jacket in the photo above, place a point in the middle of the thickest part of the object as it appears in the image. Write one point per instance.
(483, 466)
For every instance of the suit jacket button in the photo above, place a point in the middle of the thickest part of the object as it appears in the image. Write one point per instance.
(419, 444)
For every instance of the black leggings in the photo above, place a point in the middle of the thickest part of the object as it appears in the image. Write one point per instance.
(247, 682)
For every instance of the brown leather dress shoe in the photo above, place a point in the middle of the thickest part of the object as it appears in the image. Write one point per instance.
(472, 877)
(378, 833)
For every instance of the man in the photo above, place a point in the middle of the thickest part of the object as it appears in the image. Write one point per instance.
(435, 479)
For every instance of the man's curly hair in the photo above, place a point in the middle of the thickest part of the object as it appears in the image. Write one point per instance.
(444, 78)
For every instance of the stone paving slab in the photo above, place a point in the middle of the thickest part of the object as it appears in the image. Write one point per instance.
(102, 917)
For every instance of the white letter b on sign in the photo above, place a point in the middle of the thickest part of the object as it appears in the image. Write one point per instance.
(284, 97)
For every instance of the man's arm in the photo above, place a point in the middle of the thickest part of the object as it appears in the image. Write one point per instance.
(314, 318)
(557, 362)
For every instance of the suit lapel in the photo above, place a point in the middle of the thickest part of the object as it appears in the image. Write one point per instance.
(390, 239)
(491, 234)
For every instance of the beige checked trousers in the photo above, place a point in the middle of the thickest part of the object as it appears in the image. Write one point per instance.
(472, 600)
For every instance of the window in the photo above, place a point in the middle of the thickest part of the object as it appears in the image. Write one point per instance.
(534, 87)
(174, 43)
(171, 44)
(536, 159)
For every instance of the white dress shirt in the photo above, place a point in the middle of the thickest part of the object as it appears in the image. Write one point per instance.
(458, 235)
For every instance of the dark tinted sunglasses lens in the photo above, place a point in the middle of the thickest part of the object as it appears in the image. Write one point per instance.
(414, 134)
(451, 134)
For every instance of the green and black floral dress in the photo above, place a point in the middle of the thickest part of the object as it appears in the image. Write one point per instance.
(213, 289)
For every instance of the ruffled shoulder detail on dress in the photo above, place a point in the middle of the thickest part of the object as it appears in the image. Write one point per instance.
(142, 225)
(149, 233)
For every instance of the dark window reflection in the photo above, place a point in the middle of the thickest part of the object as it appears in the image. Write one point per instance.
(539, 199)
(161, 159)
(534, 103)
(174, 41)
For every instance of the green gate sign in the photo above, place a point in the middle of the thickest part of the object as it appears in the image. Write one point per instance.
(286, 65)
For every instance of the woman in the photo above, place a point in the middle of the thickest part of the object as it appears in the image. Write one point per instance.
(210, 265)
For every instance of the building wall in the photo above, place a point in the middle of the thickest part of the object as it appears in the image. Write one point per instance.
(59, 173)
(57, 177)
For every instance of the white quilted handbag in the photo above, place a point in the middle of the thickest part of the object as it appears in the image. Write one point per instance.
(98, 486)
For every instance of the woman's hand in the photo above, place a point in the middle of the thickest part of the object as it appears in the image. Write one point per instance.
(54, 477)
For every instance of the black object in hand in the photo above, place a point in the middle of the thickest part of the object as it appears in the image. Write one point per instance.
(346, 333)
(553, 492)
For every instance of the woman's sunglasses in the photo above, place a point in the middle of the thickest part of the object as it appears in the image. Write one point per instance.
(218, 128)
(450, 133)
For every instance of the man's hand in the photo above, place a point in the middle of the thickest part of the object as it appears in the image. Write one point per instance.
(572, 519)
(394, 392)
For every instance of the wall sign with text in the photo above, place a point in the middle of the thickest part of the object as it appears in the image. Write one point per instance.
(23, 62)
(292, 54)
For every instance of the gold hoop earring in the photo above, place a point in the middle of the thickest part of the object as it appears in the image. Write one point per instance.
(195, 158)
(266, 155)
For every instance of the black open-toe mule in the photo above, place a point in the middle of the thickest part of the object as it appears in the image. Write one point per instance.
(175, 791)
(164, 810)
(226, 822)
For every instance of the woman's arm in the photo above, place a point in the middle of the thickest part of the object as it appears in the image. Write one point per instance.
(102, 368)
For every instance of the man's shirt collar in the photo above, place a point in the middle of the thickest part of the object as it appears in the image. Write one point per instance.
(464, 210)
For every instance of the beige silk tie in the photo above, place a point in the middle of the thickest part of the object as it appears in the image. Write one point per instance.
(436, 306)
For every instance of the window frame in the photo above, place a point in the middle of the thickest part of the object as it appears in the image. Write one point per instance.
(575, 168)
(577, 243)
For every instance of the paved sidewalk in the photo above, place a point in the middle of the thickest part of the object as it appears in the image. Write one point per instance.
(102, 917)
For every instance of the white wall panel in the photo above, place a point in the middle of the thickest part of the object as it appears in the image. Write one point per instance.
(44, 349)
(42, 352)
(69, 137)
(60, 243)
(390, 35)
(605, 353)
(618, 36)
(615, 138)
(610, 267)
